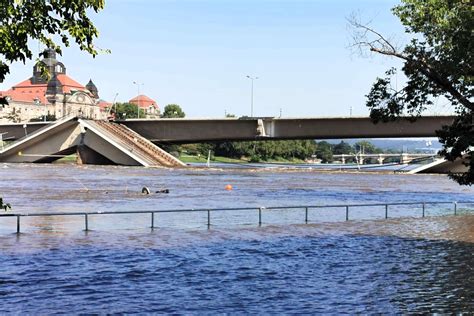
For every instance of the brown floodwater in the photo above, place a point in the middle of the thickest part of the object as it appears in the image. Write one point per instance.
(404, 264)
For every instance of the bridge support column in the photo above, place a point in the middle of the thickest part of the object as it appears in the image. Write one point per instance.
(380, 160)
(343, 159)
(404, 159)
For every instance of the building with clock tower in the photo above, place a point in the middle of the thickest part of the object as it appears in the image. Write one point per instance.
(55, 95)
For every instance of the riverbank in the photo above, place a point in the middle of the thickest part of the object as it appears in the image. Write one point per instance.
(201, 159)
(243, 160)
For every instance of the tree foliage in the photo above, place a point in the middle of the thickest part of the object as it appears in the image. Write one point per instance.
(342, 148)
(173, 111)
(127, 111)
(366, 147)
(263, 150)
(438, 62)
(257, 151)
(324, 152)
(22, 21)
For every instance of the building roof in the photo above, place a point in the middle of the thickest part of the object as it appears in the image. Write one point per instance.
(143, 101)
(70, 84)
(26, 91)
(104, 104)
(37, 93)
(36, 88)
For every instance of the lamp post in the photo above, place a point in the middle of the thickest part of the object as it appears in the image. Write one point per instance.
(251, 95)
(138, 97)
(114, 105)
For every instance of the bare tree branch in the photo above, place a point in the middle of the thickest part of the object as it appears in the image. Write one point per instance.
(363, 36)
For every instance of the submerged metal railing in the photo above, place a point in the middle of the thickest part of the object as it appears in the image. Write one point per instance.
(306, 208)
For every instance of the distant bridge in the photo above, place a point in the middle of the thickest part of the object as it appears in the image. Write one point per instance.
(404, 158)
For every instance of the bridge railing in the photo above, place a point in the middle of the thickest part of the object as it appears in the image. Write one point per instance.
(383, 207)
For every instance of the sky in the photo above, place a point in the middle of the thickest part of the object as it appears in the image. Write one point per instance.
(197, 53)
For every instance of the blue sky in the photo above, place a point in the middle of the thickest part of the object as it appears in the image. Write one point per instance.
(198, 53)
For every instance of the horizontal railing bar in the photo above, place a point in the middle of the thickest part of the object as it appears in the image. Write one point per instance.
(228, 209)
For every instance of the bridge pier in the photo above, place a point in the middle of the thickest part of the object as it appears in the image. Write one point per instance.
(380, 159)
(404, 159)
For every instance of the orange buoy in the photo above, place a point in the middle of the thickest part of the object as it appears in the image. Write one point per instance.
(228, 187)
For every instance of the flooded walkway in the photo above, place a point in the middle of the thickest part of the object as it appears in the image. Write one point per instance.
(399, 265)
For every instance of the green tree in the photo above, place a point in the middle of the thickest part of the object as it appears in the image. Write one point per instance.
(173, 111)
(204, 148)
(367, 147)
(324, 151)
(343, 148)
(23, 22)
(438, 62)
(127, 111)
(267, 150)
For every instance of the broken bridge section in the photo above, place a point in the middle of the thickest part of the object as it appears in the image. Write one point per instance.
(95, 142)
(442, 165)
(46, 144)
(124, 146)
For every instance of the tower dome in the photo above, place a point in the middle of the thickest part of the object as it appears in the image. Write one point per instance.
(93, 89)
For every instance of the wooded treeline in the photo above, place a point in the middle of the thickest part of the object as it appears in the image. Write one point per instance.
(256, 151)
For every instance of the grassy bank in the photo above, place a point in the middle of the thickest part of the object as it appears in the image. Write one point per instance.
(191, 159)
(202, 159)
(67, 159)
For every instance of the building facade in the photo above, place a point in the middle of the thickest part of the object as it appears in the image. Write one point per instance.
(58, 96)
(148, 105)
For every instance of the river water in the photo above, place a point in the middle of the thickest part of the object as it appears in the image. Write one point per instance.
(406, 264)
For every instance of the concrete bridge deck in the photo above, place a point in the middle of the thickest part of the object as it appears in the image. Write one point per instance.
(232, 129)
(202, 130)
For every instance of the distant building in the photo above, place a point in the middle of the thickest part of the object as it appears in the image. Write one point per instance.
(59, 96)
(150, 106)
(104, 105)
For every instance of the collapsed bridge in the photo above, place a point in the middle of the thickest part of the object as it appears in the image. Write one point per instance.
(132, 142)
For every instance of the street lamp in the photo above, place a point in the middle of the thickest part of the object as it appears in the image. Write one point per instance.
(138, 97)
(251, 95)
(114, 105)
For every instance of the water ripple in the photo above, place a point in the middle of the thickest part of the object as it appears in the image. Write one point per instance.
(344, 274)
